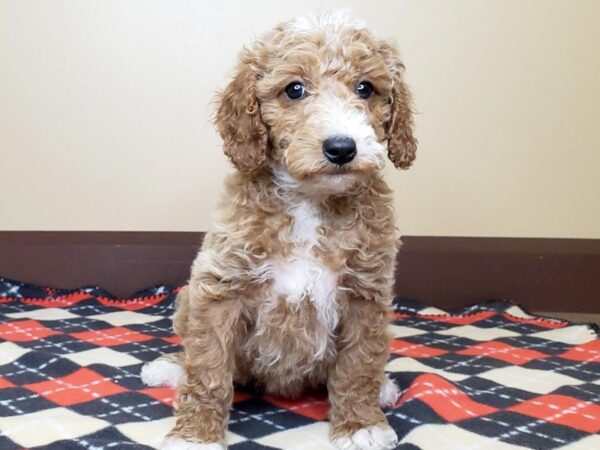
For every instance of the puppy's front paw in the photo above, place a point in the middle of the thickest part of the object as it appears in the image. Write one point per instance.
(173, 443)
(376, 437)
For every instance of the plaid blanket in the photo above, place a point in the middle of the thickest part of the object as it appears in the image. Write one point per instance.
(487, 377)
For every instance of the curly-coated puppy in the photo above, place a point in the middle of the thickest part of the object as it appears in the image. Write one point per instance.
(292, 287)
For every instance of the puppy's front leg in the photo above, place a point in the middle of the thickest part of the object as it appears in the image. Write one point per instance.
(355, 380)
(204, 400)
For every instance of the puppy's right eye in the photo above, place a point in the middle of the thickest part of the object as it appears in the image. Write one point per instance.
(295, 90)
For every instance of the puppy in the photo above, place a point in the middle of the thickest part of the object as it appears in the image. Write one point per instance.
(293, 285)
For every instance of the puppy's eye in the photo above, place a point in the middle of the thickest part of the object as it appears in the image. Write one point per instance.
(295, 90)
(364, 89)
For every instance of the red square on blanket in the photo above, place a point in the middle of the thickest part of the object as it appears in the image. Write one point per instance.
(446, 399)
(111, 337)
(4, 383)
(24, 331)
(406, 348)
(575, 413)
(172, 339)
(503, 352)
(315, 408)
(588, 352)
(162, 394)
(79, 387)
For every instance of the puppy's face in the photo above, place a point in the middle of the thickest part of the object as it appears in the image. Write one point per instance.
(322, 101)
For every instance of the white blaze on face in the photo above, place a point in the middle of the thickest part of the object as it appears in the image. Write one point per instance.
(339, 118)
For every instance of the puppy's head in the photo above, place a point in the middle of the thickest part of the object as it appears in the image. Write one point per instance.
(321, 100)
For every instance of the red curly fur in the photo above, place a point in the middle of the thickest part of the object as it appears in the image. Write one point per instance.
(292, 287)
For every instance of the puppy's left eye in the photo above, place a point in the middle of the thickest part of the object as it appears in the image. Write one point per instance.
(295, 90)
(364, 89)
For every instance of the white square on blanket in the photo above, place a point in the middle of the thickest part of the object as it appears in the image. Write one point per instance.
(47, 426)
(103, 355)
(451, 437)
(309, 437)
(43, 314)
(576, 334)
(531, 380)
(478, 333)
(120, 318)
(9, 352)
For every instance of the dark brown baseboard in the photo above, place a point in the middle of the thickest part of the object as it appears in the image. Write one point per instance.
(540, 274)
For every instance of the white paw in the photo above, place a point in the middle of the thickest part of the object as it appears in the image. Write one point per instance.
(389, 393)
(162, 372)
(172, 443)
(379, 437)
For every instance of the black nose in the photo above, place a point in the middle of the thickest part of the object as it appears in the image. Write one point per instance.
(339, 149)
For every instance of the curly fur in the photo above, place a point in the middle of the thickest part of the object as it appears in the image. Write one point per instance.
(292, 287)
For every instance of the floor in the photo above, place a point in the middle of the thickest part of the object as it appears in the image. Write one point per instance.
(573, 317)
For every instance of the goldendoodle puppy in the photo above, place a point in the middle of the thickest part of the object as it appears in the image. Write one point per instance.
(293, 285)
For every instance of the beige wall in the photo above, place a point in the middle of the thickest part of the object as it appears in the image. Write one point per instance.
(105, 105)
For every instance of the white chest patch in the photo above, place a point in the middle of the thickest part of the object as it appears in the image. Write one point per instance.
(304, 277)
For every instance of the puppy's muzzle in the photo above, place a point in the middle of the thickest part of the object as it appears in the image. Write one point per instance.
(339, 150)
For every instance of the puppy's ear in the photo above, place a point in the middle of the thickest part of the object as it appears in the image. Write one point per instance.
(238, 120)
(402, 145)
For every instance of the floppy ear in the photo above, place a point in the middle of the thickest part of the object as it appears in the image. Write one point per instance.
(402, 145)
(238, 120)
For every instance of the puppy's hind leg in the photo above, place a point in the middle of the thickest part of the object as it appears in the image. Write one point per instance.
(389, 393)
(167, 370)
(182, 312)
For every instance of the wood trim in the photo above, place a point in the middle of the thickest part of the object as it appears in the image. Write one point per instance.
(121, 262)
(540, 274)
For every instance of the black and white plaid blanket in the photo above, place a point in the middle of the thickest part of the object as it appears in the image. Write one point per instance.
(488, 377)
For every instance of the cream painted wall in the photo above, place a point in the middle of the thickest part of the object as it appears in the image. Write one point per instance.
(105, 106)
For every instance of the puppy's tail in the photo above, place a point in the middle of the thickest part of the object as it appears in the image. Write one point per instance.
(164, 371)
